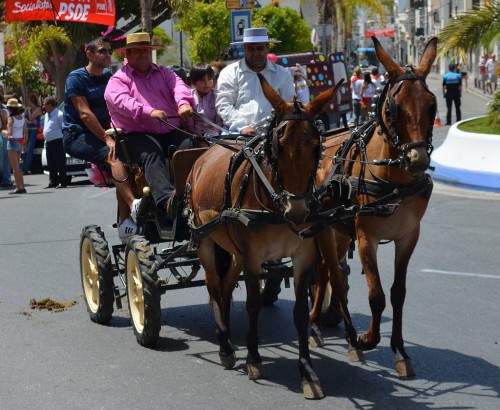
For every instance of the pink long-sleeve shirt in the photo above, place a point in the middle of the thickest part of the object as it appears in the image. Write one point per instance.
(131, 98)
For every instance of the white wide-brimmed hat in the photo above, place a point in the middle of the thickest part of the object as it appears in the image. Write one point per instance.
(13, 103)
(256, 35)
(140, 40)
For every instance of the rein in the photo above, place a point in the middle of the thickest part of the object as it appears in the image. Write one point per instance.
(271, 150)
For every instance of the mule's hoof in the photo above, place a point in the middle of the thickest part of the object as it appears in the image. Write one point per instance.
(255, 371)
(312, 390)
(228, 361)
(316, 341)
(356, 355)
(405, 368)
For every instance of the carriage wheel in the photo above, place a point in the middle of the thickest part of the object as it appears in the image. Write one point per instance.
(143, 292)
(97, 274)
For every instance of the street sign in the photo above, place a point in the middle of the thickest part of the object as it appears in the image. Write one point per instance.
(239, 4)
(240, 20)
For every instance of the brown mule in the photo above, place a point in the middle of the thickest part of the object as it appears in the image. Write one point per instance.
(289, 162)
(385, 162)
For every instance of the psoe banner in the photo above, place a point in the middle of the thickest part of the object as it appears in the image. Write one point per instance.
(81, 11)
(380, 33)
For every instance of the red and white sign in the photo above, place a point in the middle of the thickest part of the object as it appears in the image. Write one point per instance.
(81, 11)
(380, 33)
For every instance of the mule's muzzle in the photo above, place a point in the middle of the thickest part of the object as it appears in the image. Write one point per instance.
(416, 161)
(296, 209)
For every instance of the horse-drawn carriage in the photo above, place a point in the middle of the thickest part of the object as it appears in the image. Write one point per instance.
(288, 185)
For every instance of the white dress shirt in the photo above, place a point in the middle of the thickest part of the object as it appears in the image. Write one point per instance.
(239, 98)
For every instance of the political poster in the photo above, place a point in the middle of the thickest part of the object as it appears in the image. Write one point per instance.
(81, 11)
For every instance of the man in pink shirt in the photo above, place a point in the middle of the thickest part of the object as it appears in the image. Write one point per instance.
(138, 96)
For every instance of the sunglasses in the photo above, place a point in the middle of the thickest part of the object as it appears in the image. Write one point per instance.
(105, 51)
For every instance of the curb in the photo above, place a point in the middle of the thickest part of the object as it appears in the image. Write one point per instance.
(469, 159)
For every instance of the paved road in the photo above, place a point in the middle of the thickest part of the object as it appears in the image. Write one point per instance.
(63, 361)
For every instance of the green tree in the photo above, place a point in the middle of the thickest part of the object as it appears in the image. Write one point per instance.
(478, 28)
(26, 45)
(286, 25)
(209, 28)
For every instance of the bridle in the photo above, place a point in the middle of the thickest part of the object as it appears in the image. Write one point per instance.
(387, 103)
(271, 148)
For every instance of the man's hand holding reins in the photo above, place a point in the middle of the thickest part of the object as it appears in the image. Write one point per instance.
(248, 131)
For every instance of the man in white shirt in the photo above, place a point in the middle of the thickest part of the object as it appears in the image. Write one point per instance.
(240, 101)
(491, 67)
(54, 150)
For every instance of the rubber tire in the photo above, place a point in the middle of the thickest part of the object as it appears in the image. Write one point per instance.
(95, 259)
(142, 284)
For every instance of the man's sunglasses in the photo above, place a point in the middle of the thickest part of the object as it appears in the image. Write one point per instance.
(105, 50)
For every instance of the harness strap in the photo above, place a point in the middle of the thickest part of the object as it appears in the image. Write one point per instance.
(249, 154)
(390, 191)
(362, 133)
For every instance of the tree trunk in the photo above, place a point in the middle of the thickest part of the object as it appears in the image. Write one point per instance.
(146, 7)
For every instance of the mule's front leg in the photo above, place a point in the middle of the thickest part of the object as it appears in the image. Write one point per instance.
(368, 254)
(254, 361)
(311, 387)
(404, 250)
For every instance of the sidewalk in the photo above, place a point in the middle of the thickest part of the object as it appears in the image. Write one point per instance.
(466, 159)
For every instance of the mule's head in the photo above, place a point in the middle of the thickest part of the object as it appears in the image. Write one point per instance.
(407, 108)
(293, 147)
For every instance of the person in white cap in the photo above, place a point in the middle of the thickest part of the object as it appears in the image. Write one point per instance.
(239, 98)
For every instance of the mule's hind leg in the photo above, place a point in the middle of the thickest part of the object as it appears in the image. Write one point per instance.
(253, 305)
(404, 250)
(320, 283)
(207, 251)
(333, 246)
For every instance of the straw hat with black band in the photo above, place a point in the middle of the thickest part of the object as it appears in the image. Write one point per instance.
(13, 103)
(139, 40)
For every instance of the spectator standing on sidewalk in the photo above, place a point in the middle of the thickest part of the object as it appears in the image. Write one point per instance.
(356, 82)
(483, 73)
(54, 149)
(462, 70)
(491, 68)
(33, 116)
(452, 91)
(301, 86)
(367, 93)
(15, 135)
(6, 181)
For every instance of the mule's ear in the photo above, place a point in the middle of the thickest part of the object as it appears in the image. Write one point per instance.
(279, 105)
(393, 68)
(317, 105)
(428, 56)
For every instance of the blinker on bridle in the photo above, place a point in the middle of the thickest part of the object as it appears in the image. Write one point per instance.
(275, 131)
(391, 112)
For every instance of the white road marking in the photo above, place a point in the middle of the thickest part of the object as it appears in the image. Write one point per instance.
(476, 275)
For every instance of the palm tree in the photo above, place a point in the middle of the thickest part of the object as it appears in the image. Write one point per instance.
(342, 13)
(26, 45)
(478, 28)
